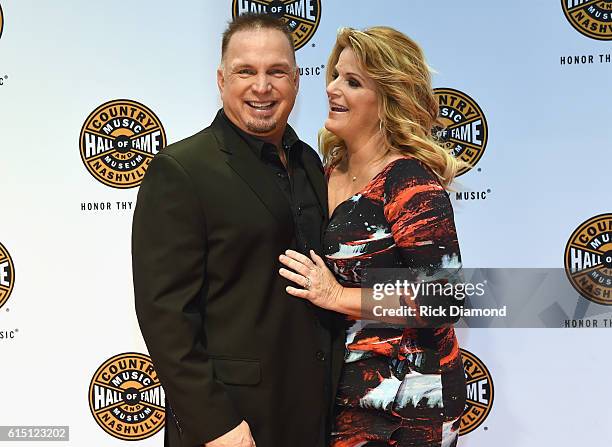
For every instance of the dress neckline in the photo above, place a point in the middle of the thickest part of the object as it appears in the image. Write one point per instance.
(366, 187)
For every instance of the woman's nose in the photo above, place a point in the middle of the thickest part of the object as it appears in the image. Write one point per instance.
(331, 88)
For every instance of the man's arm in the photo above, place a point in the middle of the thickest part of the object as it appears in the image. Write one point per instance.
(168, 260)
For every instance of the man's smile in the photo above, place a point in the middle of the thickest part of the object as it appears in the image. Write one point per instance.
(261, 105)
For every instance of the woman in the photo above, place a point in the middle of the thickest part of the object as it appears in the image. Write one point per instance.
(401, 386)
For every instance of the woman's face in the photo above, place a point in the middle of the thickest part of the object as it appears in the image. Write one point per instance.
(353, 101)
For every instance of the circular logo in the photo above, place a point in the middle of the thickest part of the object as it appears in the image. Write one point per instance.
(118, 141)
(463, 129)
(301, 16)
(7, 275)
(1, 21)
(588, 259)
(126, 398)
(479, 393)
(593, 18)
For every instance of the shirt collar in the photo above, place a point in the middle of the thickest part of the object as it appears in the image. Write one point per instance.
(290, 138)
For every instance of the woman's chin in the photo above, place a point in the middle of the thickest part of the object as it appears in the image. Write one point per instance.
(331, 126)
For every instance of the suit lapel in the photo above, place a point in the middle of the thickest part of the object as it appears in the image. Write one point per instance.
(245, 163)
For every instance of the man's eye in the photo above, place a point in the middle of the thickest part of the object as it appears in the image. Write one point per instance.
(278, 72)
(246, 71)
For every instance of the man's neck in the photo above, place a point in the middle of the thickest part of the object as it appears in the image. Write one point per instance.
(275, 140)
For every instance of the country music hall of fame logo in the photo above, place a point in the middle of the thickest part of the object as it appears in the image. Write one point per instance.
(588, 259)
(1, 21)
(480, 393)
(118, 141)
(592, 18)
(301, 16)
(462, 129)
(126, 398)
(7, 275)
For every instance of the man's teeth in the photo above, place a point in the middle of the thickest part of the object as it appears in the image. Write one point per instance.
(261, 105)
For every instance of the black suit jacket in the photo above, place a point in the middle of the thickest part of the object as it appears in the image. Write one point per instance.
(227, 341)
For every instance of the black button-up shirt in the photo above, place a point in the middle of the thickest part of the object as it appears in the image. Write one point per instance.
(293, 181)
(308, 219)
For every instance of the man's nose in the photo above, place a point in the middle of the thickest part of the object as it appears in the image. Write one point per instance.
(262, 84)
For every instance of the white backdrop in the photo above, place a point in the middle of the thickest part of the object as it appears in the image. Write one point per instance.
(543, 173)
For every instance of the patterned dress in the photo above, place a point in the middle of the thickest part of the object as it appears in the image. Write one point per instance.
(399, 386)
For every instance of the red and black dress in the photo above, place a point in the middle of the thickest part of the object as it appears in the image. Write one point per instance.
(399, 386)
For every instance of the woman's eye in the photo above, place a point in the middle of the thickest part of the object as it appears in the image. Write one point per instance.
(334, 74)
(353, 83)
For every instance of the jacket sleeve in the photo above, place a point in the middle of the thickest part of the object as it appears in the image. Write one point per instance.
(168, 261)
(420, 215)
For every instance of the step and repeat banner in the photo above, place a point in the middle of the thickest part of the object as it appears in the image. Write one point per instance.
(90, 92)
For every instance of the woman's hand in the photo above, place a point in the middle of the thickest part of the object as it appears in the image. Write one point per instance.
(317, 283)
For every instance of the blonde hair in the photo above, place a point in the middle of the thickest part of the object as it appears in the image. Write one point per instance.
(406, 104)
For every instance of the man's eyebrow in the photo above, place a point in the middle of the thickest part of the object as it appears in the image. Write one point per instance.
(239, 66)
(281, 66)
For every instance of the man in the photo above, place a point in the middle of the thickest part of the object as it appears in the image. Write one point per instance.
(242, 362)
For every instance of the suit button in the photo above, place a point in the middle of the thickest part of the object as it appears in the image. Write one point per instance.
(299, 211)
(321, 356)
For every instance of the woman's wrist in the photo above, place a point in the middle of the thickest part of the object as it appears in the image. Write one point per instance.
(348, 301)
(337, 301)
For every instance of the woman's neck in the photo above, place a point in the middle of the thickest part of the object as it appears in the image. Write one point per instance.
(360, 152)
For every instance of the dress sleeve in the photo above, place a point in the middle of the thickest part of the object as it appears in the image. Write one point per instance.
(420, 216)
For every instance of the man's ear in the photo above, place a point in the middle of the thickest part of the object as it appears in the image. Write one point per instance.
(220, 79)
(296, 79)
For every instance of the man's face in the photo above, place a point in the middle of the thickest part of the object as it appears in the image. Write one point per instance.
(258, 82)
